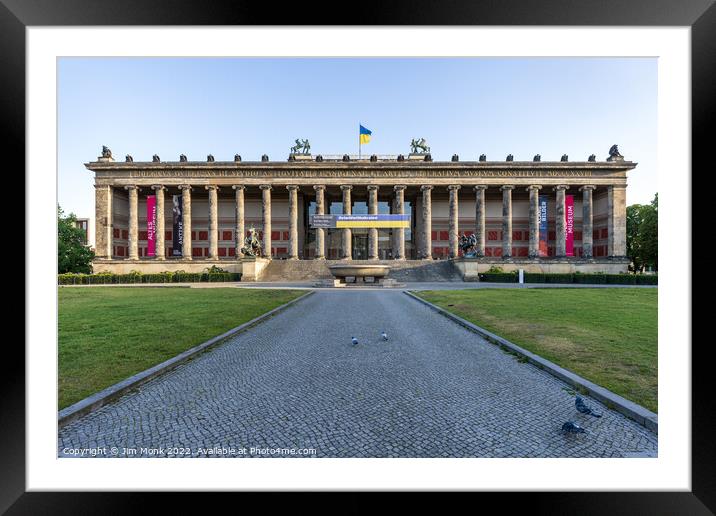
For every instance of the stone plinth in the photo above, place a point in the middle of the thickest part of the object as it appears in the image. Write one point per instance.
(251, 268)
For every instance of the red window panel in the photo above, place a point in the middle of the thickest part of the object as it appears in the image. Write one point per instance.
(446, 251)
(206, 251)
(168, 236)
(550, 251)
(119, 251)
(226, 235)
(605, 233)
(285, 235)
(140, 251)
(433, 235)
(497, 251)
(579, 251)
(126, 251)
(595, 234)
(143, 235)
(125, 234)
(492, 235)
(222, 251)
(115, 232)
(232, 251)
(196, 251)
(598, 250)
(552, 235)
(488, 251)
(444, 236)
(577, 235)
(517, 235)
(522, 251)
(282, 250)
(203, 235)
(168, 252)
(275, 235)
(193, 235)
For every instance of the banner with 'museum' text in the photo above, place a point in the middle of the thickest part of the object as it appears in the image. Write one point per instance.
(569, 224)
(151, 224)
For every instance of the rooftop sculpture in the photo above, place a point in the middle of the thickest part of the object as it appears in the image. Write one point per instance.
(106, 153)
(614, 154)
(302, 146)
(419, 146)
(155, 158)
(128, 158)
(182, 158)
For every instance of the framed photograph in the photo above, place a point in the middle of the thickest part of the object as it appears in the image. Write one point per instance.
(414, 253)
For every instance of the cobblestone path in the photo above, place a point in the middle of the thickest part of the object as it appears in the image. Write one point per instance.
(294, 386)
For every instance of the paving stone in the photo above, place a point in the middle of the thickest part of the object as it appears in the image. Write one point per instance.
(434, 389)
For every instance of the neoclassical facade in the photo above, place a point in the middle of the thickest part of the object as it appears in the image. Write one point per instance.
(498, 201)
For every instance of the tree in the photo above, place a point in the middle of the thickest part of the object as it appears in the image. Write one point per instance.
(72, 254)
(643, 234)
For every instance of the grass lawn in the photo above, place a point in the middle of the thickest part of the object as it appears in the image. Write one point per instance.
(107, 334)
(608, 336)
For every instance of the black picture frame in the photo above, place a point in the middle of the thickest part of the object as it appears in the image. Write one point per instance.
(700, 15)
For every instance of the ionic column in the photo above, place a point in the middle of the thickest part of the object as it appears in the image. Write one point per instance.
(186, 221)
(159, 251)
(480, 219)
(506, 220)
(213, 221)
(399, 253)
(240, 231)
(292, 221)
(453, 227)
(587, 220)
(133, 222)
(266, 218)
(533, 251)
(560, 226)
(372, 232)
(616, 220)
(427, 251)
(346, 247)
(320, 232)
(103, 221)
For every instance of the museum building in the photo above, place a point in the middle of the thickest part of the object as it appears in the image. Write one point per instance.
(540, 216)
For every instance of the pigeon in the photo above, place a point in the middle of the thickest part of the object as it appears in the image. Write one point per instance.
(573, 428)
(584, 409)
(354, 341)
(385, 337)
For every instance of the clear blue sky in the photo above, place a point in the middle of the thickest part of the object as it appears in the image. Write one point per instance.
(468, 106)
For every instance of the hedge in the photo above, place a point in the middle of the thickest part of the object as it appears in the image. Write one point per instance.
(577, 277)
(137, 277)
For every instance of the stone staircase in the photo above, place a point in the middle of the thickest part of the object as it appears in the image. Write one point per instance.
(401, 271)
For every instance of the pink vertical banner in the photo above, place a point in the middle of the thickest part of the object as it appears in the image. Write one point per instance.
(151, 224)
(569, 224)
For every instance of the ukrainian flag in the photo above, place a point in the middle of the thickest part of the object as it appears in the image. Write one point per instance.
(364, 135)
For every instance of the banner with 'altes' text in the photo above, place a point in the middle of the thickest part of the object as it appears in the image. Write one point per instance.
(151, 224)
(569, 224)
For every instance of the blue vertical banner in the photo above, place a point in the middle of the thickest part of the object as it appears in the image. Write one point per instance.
(178, 226)
(543, 234)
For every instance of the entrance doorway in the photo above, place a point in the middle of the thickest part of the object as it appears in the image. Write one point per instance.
(360, 243)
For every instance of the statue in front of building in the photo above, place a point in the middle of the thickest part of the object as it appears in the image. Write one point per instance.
(468, 244)
(106, 153)
(252, 244)
(419, 146)
(301, 147)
